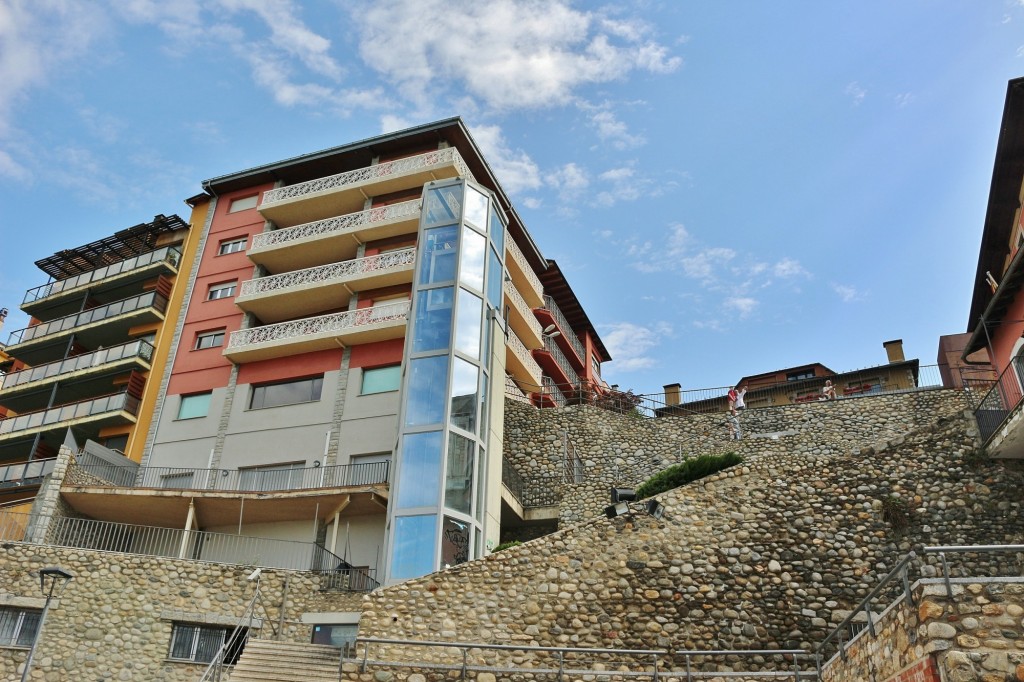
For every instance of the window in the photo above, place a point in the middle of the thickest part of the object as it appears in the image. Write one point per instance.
(286, 393)
(195, 405)
(200, 643)
(381, 379)
(244, 203)
(286, 476)
(18, 626)
(221, 290)
(341, 636)
(232, 246)
(803, 374)
(210, 339)
(118, 443)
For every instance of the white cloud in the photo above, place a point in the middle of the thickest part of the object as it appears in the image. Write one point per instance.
(509, 54)
(903, 99)
(743, 305)
(515, 170)
(856, 93)
(569, 181)
(613, 131)
(625, 184)
(787, 267)
(9, 168)
(630, 344)
(846, 293)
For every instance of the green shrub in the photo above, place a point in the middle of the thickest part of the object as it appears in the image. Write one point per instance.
(896, 512)
(506, 545)
(685, 472)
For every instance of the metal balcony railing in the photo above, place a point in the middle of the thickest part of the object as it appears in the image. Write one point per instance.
(517, 255)
(140, 349)
(111, 403)
(550, 389)
(563, 326)
(240, 480)
(170, 254)
(324, 324)
(511, 479)
(1002, 398)
(513, 391)
(519, 304)
(171, 543)
(332, 271)
(563, 362)
(338, 224)
(524, 355)
(25, 473)
(397, 167)
(150, 299)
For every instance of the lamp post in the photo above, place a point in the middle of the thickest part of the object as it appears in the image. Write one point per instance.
(52, 581)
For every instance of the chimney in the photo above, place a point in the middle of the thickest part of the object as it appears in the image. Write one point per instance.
(3, 316)
(672, 394)
(894, 349)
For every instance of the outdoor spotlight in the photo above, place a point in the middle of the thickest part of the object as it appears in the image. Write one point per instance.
(548, 329)
(623, 495)
(617, 509)
(655, 508)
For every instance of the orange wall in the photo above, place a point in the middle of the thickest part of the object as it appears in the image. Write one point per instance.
(1005, 335)
(377, 354)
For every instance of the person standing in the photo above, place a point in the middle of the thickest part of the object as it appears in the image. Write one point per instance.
(733, 420)
(740, 405)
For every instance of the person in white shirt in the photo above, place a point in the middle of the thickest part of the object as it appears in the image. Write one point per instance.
(740, 405)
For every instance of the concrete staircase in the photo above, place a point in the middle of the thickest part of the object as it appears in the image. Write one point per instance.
(265, 660)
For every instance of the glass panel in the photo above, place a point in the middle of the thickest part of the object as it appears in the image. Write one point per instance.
(495, 280)
(472, 259)
(428, 383)
(465, 378)
(467, 327)
(476, 208)
(497, 230)
(443, 205)
(210, 642)
(439, 249)
(181, 641)
(420, 474)
(193, 406)
(433, 319)
(482, 412)
(381, 379)
(458, 483)
(29, 625)
(477, 551)
(481, 485)
(286, 393)
(413, 555)
(454, 542)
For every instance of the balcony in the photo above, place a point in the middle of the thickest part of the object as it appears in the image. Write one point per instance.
(100, 326)
(116, 408)
(521, 318)
(519, 361)
(25, 474)
(80, 376)
(332, 240)
(523, 276)
(64, 296)
(570, 344)
(306, 292)
(557, 366)
(343, 193)
(352, 327)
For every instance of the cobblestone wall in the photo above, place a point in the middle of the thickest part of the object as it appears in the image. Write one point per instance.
(768, 554)
(627, 449)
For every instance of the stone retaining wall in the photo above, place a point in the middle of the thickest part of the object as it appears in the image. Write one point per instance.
(768, 554)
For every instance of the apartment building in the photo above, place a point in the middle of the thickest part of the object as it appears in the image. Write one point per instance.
(354, 320)
(80, 372)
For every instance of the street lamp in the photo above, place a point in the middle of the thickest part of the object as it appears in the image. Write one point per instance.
(52, 581)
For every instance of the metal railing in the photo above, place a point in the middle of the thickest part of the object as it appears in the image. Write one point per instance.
(348, 579)
(513, 391)
(132, 349)
(517, 255)
(333, 271)
(562, 361)
(567, 332)
(25, 473)
(150, 299)
(552, 391)
(240, 635)
(323, 324)
(241, 480)
(409, 164)
(1002, 397)
(574, 468)
(896, 586)
(338, 224)
(117, 402)
(512, 480)
(169, 254)
(539, 662)
(170, 543)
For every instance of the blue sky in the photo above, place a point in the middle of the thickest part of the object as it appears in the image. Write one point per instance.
(731, 187)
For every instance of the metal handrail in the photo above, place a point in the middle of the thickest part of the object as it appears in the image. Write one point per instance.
(116, 402)
(1001, 399)
(103, 356)
(562, 361)
(170, 254)
(150, 299)
(567, 331)
(215, 670)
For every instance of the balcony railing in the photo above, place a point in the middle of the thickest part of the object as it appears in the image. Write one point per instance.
(520, 260)
(513, 392)
(1001, 399)
(25, 473)
(327, 273)
(335, 323)
(170, 254)
(240, 480)
(563, 325)
(524, 356)
(551, 389)
(133, 349)
(337, 225)
(149, 299)
(520, 305)
(171, 543)
(563, 362)
(119, 402)
(369, 174)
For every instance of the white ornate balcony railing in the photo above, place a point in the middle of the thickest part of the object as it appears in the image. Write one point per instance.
(333, 271)
(324, 324)
(519, 304)
(103, 356)
(513, 392)
(170, 254)
(520, 259)
(567, 332)
(338, 225)
(560, 359)
(381, 170)
(524, 355)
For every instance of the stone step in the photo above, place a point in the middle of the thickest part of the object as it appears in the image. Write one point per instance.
(270, 661)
